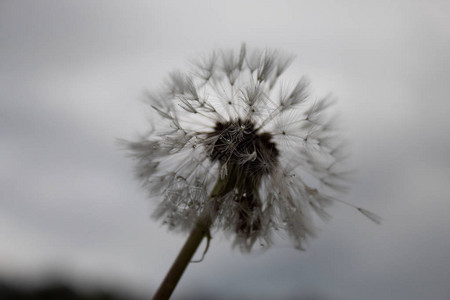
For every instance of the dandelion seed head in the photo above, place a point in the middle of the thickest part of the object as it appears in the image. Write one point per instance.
(232, 141)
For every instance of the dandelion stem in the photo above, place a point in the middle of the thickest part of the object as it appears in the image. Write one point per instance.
(200, 230)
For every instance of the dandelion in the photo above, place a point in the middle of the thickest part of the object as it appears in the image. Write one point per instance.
(233, 148)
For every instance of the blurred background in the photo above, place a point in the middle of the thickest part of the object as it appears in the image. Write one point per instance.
(74, 220)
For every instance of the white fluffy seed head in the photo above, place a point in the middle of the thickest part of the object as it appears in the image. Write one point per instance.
(232, 141)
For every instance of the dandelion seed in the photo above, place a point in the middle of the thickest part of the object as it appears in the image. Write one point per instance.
(375, 218)
(239, 151)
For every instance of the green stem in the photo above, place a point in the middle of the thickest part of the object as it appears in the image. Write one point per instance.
(200, 230)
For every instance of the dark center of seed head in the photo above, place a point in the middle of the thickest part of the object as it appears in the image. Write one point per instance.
(247, 155)
(239, 145)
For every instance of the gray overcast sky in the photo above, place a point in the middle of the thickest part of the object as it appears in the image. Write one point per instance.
(72, 74)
